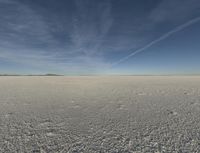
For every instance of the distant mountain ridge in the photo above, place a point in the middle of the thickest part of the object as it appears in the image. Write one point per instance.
(48, 74)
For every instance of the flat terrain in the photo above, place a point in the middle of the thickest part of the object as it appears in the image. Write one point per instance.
(124, 114)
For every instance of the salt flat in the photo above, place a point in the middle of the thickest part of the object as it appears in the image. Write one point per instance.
(111, 114)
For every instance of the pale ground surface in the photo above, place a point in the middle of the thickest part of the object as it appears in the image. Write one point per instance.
(100, 114)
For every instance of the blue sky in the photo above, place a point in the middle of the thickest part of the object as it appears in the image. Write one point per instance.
(100, 36)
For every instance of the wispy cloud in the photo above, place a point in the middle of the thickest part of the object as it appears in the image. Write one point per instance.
(174, 10)
(27, 38)
(85, 35)
(163, 37)
(91, 23)
(176, 14)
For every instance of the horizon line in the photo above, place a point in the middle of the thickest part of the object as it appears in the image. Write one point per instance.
(196, 74)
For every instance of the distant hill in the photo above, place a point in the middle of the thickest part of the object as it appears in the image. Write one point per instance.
(48, 74)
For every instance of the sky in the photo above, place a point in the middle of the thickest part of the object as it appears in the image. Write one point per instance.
(97, 37)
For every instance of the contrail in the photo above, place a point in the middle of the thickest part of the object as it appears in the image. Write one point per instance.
(166, 35)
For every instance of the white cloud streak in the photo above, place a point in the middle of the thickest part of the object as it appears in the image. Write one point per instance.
(163, 37)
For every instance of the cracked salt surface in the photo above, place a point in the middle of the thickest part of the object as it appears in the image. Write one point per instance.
(99, 114)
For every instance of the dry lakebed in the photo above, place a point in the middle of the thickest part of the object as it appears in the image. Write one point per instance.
(100, 114)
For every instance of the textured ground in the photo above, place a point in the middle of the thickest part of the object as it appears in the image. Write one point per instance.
(100, 114)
